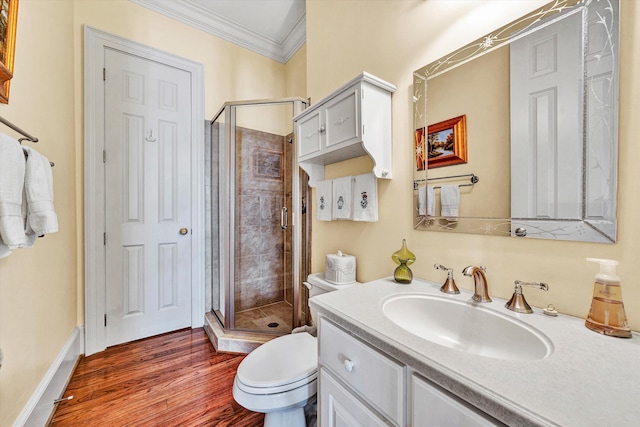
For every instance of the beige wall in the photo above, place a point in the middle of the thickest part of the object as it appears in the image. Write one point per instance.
(391, 40)
(484, 100)
(38, 295)
(296, 74)
(42, 288)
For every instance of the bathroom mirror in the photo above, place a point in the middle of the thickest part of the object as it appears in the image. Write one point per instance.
(539, 101)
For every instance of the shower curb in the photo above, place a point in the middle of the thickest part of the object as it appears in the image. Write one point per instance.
(232, 341)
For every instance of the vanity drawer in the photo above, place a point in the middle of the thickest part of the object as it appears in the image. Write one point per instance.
(375, 377)
(433, 406)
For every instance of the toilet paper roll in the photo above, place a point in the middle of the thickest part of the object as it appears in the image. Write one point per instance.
(340, 269)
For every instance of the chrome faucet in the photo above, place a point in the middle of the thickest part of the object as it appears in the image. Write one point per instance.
(481, 293)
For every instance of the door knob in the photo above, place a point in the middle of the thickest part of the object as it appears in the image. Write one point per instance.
(184, 231)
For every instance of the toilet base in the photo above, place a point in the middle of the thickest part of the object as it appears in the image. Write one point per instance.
(291, 418)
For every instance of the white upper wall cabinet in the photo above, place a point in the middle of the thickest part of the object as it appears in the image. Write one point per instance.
(353, 121)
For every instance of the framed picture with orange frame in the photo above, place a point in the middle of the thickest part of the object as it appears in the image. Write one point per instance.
(8, 22)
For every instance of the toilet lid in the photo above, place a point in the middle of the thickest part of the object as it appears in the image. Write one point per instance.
(283, 360)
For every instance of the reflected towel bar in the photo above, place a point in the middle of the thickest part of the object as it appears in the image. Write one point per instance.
(472, 177)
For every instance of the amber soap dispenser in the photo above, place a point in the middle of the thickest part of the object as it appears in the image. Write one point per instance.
(607, 314)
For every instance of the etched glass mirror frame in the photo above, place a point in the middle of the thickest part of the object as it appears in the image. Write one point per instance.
(595, 220)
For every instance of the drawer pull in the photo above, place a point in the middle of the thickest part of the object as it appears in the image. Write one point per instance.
(348, 365)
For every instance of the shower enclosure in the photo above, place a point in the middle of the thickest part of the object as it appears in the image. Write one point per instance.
(256, 239)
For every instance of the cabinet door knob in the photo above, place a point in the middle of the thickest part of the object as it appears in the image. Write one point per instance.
(348, 365)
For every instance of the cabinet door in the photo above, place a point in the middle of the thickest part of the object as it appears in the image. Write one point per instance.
(433, 406)
(309, 135)
(340, 408)
(374, 376)
(342, 119)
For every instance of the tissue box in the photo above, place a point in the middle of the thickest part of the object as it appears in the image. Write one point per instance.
(340, 269)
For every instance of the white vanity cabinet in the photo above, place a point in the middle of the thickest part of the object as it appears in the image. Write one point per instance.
(361, 386)
(353, 121)
(377, 382)
(433, 406)
(341, 408)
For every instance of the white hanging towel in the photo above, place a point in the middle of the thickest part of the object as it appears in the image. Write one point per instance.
(450, 201)
(426, 201)
(12, 175)
(38, 186)
(324, 197)
(342, 198)
(431, 201)
(422, 201)
(365, 198)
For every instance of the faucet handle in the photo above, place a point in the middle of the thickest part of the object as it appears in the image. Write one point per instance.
(449, 286)
(517, 302)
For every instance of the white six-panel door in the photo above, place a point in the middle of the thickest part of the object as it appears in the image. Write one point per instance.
(147, 197)
(546, 122)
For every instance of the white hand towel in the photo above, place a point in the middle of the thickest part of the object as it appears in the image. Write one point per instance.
(426, 201)
(365, 203)
(324, 197)
(342, 198)
(12, 175)
(422, 201)
(38, 185)
(450, 201)
(431, 201)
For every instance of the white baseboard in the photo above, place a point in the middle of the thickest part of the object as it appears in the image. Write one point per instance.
(39, 408)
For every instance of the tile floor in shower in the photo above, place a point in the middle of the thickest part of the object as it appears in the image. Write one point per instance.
(260, 318)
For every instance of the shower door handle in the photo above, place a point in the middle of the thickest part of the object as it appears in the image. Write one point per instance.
(284, 218)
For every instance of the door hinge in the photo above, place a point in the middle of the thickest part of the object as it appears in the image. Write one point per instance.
(104, 74)
(104, 156)
(105, 319)
(104, 237)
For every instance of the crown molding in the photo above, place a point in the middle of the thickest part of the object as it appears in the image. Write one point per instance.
(195, 16)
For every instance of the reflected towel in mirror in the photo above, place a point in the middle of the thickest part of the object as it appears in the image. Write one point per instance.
(426, 201)
(450, 201)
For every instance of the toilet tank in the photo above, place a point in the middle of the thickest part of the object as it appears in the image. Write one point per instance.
(317, 285)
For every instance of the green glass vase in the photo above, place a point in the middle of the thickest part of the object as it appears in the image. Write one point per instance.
(404, 258)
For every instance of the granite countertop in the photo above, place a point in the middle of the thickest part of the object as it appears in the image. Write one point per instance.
(588, 379)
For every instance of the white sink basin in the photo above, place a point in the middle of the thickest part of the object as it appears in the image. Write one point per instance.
(467, 327)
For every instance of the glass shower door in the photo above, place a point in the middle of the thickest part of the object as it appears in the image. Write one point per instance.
(255, 251)
(262, 192)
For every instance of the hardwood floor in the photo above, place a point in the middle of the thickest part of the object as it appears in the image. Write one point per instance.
(175, 379)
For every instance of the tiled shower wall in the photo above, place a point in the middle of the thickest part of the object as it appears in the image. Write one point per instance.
(260, 196)
(263, 251)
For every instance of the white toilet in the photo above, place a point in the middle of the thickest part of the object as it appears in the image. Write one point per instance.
(279, 377)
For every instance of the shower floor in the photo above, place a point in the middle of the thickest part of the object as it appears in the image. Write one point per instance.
(260, 318)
